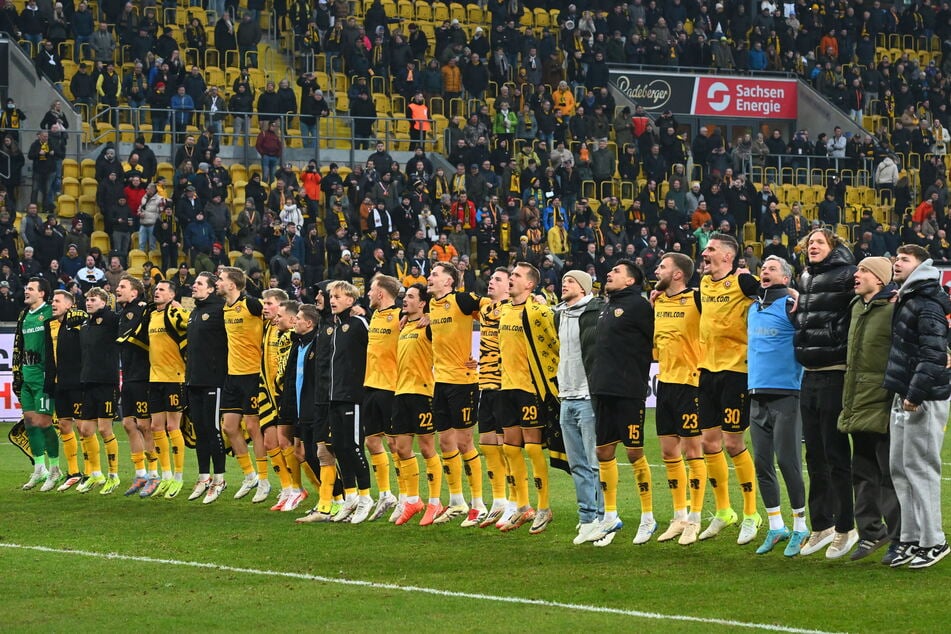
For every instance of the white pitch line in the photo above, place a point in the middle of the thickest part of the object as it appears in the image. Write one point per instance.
(578, 607)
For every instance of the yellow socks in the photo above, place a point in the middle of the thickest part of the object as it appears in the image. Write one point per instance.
(70, 449)
(381, 470)
(642, 475)
(162, 450)
(719, 476)
(609, 480)
(434, 476)
(84, 443)
(293, 465)
(178, 450)
(261, 464)
(746, 474)
(539, 472)
(519, 471)
(138, 460)
(280, 467)
(409, 470)
(328, 475)
(473, 468)
(495, 468)
(244, 461)
(676, 482)
(698, 483)
(452, 465)
(92, 449)
(112, 453)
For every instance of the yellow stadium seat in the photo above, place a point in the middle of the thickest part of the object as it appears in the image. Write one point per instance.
(66, 206)
(71, 186)
(70, 168)
(101, 239)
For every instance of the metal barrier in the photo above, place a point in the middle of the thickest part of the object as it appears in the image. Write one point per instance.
(336, 131)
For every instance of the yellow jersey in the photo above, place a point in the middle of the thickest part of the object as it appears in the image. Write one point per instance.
(382, 344)
(450, 319)
(723, 324)
(677, 337)
(415, 360)
(245, 328)
(490, 371)
(165, 356)
(513, 350)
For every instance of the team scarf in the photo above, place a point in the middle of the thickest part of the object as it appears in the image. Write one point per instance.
(543, 347)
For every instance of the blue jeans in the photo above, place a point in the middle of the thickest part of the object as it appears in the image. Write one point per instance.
(578, 430)
(147, 240)
(269, 165)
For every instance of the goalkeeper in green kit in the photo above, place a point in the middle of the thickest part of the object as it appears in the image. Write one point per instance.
(32, 350)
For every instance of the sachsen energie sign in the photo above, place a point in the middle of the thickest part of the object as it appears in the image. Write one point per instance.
(729, 97)
(712, 96)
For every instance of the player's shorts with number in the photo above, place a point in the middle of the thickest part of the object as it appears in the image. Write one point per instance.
(166, 397)
(99, 401)
(377, 411)
(135, 399)
(620, 420)
(34, 399)
(723, 401)
(69, 403)
(412, 414)
(240, 395)
(677, 412)
(518, 408)
(454, 405)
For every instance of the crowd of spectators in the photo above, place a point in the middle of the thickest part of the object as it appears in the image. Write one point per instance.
(546, 168)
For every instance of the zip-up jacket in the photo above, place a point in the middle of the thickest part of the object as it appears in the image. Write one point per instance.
(306, 395)
(348, 357)
(69, 352)
(623, 347)
(100, 348)
(206, 363)
(133, 338)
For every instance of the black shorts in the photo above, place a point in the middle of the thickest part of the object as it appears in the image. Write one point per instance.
(518, 408)
(99, 401)
(677, 410)
(68, 403)
(377, 411)
(489, 421)
(454, 405)
(620, 420)
(134, 399)
(166, 397)
(240, 395)
(412, 414)
(723, 401)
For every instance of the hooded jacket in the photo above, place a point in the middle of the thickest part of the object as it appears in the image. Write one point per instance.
(865, 403)
(917, 362)
(822, 315)
(623, 346)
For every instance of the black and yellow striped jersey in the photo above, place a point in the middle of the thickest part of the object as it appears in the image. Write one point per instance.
(382, 346)
(245, 328)
(415, 360)
(677, 337)
(277, 346)
(490, 373)
(513, 349)
(451, 318)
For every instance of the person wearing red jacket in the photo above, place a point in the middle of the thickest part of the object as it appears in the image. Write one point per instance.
(464, 211)
(310, 182)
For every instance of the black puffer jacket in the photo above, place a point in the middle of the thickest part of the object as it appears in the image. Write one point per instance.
(822, 314)
(917, 362)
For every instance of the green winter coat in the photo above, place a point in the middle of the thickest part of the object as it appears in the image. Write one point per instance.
(865, 403)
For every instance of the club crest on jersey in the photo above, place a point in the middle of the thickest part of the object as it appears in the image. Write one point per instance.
(98, 320)
(727, 284)
(446, 305)
(389, 317)
(129, 315)
(237, 309)
(330, 330)
(618, 312)
(683, 300)
(205, 317)
(41, 317)
(496, 312)
(345, 327)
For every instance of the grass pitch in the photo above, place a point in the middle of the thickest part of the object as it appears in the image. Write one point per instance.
(272, 572)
